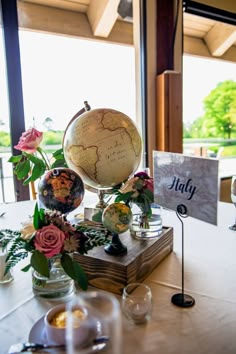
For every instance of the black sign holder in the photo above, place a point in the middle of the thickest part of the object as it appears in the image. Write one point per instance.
(182, 299)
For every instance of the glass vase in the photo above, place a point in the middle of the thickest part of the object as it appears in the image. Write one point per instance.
(144, 227)
(57, 286)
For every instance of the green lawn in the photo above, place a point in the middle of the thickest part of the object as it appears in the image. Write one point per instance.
(229, 150)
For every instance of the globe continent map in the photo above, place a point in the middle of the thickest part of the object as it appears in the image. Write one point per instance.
(117, 217)
(103, 146)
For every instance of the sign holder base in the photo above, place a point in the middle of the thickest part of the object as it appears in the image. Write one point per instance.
(182, 299)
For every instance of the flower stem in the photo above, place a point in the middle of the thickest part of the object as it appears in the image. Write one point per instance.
(44, 157)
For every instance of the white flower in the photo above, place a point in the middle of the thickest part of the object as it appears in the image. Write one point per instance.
(129, 186)
(27, 230)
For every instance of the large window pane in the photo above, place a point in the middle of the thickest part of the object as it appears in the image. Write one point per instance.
(60, 73)
(209, 110)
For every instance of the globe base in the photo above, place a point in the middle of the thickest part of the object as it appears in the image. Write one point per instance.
(116, 247)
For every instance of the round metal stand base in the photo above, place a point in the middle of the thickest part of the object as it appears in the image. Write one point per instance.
(182, 300)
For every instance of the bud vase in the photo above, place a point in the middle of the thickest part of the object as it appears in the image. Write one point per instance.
(57, 286)
(144, 227)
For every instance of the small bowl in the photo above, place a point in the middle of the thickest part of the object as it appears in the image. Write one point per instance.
(55, 326)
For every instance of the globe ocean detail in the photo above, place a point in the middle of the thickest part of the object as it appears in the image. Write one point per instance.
(104, 146)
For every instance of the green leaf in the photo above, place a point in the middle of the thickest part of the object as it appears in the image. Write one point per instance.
(81, 276)
(149, 195)
(22, 169)
(34, 159)
(36, 218)
(40, 263)
(58, 153)
(26, 268)
(74, 270)
(39, 217)
(37, 172)
(15, 159)
(59, 163)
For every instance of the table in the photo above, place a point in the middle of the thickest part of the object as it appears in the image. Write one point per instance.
(210, 277)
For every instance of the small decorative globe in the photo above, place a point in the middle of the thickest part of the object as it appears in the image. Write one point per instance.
(103, 146)
(60, 189)
(117, 218)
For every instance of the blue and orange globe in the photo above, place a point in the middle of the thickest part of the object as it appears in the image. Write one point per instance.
(60, 189)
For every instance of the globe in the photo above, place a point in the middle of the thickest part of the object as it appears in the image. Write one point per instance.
(117, 217)
(103, 146)
(60, 189)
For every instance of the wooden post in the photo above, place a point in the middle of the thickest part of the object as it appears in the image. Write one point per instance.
(169, 111)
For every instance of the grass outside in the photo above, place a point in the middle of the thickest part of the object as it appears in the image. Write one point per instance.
(229, 151)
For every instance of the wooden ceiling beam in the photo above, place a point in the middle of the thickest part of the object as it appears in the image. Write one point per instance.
(198, 47)
(102, 16)
(68, 23)
(220, 38)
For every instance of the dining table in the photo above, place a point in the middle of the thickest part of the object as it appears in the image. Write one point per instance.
(206, 255)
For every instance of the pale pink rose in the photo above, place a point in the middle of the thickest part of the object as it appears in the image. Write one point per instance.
(27, 230)
(29, 141)
(129, 186)
(49, 240)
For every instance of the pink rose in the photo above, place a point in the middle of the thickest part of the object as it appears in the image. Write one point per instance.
(149, 184)
(49, 240)
(29, 141)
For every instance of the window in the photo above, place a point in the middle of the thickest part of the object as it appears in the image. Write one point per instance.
(207, 135)
(60, 73)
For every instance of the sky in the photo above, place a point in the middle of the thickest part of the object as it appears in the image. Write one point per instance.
(60, 74)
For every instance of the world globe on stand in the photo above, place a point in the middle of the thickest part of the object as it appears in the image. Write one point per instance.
(60, 189)
(103, 146)
(117, 217)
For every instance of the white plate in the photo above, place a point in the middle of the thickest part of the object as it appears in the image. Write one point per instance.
(37, 333)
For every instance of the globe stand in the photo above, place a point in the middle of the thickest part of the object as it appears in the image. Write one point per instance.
(116, 247)
(101, 204)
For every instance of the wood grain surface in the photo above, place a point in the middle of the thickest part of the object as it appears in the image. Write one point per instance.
(113, 273)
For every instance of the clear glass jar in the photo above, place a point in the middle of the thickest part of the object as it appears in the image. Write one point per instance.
(4, 278)
(143, 227)
(57, 286)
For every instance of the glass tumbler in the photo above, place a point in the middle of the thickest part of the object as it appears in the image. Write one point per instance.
(4, 278)
(137, 302)
(102, 323)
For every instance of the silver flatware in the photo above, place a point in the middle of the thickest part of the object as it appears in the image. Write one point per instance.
(26, 347)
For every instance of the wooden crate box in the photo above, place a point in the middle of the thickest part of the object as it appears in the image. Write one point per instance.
(113, 273)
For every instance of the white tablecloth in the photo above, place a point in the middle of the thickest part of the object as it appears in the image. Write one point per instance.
(210, 277)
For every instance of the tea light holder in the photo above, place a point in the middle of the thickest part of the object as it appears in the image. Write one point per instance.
(4, 277)
(137, 302)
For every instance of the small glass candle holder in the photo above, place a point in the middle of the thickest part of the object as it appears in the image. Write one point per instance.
(137, 302)
(4, 278)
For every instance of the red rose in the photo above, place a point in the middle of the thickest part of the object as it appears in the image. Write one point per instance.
(49, 240)
(29, 141)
